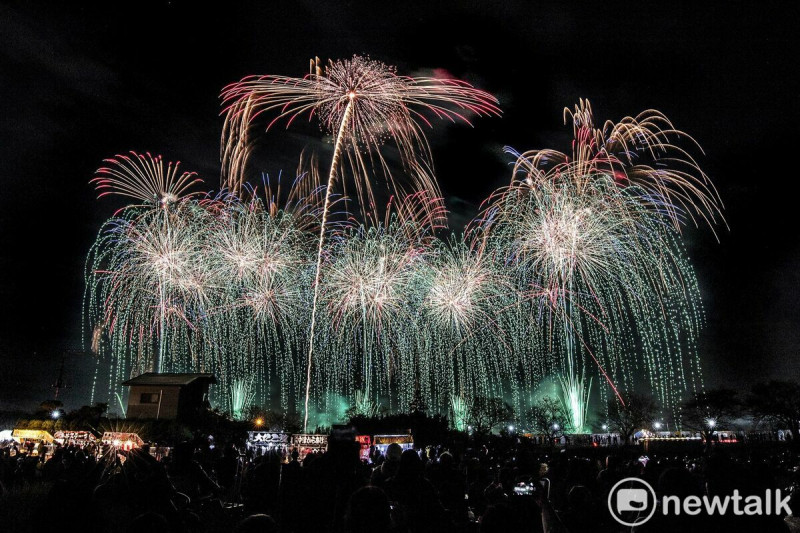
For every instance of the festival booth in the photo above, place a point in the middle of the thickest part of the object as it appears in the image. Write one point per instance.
(306, 443)
(580, 439)
(75, 438)
(32, 438)
(32, 435)
(381, 442)
(364, 443)
(119, 439)
(159, 451)
(263, 441)
(671, 443)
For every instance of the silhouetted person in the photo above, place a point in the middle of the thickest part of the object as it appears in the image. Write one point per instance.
(419, 500)
(150, 522)
(188, 477)
(257, 523)
(389, 466)
(368, 511)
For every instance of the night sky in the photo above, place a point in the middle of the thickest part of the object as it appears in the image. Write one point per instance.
(81, 84)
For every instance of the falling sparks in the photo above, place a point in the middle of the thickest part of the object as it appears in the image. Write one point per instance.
(575, 270)
(364, 103)
(599, 263)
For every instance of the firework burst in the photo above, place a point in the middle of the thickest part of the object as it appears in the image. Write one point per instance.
(576, 268)
(463, 349)
(594, 239)
(364, 103)
(143, 177)
(367, 309)
(205, 284)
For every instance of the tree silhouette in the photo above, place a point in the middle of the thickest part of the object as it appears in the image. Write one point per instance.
(547, 416)
(777, 402)
(637, 413)
(487, 413)
(710, 410)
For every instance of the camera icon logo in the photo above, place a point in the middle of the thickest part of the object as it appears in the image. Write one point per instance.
(632, 501)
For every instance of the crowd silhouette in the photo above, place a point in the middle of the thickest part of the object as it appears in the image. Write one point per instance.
(515, 486)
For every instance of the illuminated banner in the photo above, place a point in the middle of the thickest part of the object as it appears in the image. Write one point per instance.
(75, 436)
(31, 434)
(267, 438)
(385, 440)
(310, 441)
(123, 440)
(364, 442)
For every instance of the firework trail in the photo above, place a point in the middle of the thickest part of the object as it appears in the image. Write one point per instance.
(365, 104)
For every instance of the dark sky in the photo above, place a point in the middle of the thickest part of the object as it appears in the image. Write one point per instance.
(81, 84)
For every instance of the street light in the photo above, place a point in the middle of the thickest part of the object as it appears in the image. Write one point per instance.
(555, 427)
(259, 422)
(55, 414)
(511, 429)
(657, 425)
(607, 441)
(711, 423)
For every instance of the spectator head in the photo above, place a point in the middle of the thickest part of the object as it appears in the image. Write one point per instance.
(257, 523)
(446, 460)
(368, 511)
(676, 482)
(151, 522)
(393, 452)
(183, 452)
(579, 497)
(410, 465)
(497, 519)
(494, 493)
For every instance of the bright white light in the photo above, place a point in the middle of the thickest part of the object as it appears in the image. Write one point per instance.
(605, 427)
(511, 428)
(657, 425)
(711, 422)
(555, 426)
(55, 414)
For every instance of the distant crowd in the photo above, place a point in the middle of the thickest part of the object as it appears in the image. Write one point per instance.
(513, 486)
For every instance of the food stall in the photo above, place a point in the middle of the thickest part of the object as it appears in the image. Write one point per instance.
(32, 438)
(381, 442)
(364, 443)
(123, 440)
(75, 438)
(308, 443)
(263, 441)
